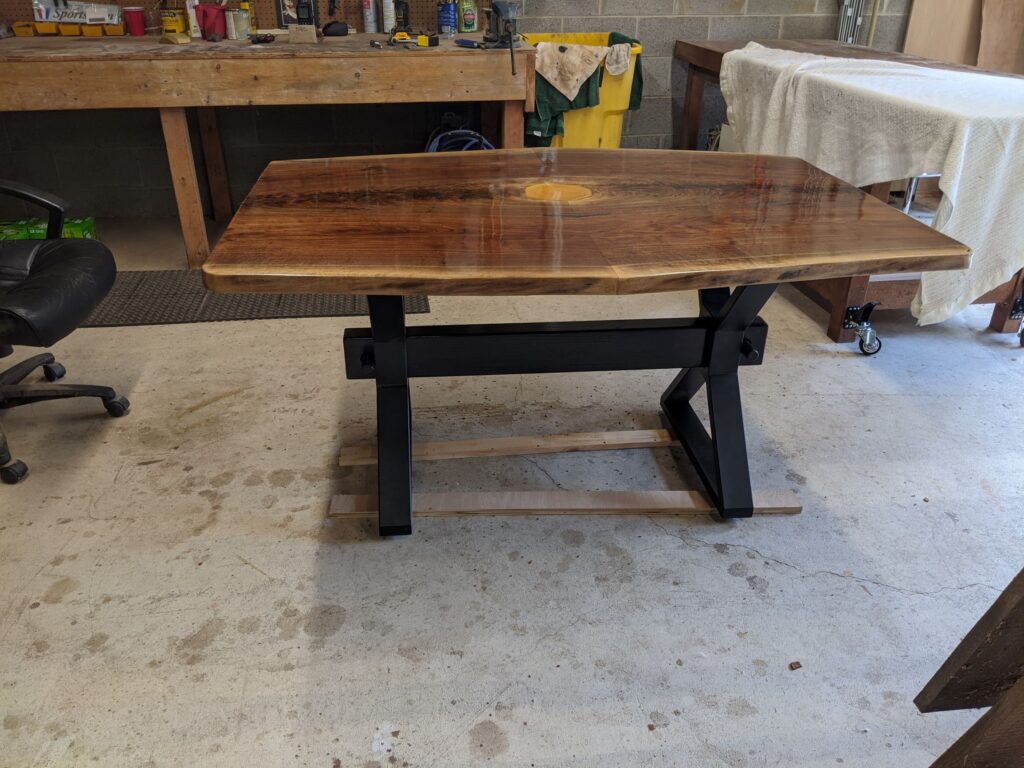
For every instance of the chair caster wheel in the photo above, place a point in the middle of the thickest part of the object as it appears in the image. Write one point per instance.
(117, 407)
(14, 473)
(54, 371)
(873, 347)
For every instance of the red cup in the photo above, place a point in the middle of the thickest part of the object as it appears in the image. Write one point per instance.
(135, 20)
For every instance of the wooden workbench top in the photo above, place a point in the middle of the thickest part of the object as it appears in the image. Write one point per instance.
(560, 222)
(113, 73)
(707, 54)
(149, 47)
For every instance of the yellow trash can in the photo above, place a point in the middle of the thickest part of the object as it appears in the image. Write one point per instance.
(599, 126)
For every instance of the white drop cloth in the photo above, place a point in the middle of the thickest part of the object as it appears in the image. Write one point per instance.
(868, 121)
(568, 67)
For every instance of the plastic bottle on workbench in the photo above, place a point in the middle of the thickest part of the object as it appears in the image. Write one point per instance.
(469, 17)
(369, 16)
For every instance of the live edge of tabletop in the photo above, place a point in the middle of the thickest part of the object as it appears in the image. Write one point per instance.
(61, 73)
(560, 221)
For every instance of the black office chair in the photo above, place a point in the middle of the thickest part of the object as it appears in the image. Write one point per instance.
(47, 289)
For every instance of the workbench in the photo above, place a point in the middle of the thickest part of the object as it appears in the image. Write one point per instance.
(570, 221)
(41, 73)
(703, 62)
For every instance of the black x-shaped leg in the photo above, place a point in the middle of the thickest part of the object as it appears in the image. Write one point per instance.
(720, 457)
(394, 416)
(728, 334)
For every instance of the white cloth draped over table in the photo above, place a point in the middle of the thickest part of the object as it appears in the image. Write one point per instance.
(869, 121)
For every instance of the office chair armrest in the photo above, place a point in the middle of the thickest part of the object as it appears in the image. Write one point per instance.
(55, 207)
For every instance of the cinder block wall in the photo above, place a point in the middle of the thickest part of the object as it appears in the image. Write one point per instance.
(113, 162)
(657, 24)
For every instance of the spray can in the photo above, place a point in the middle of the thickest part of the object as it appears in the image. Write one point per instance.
(468, 16)
(370, 16)
(388, 15)
(447, 18)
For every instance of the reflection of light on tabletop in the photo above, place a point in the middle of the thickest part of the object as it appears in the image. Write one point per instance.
(555, 192)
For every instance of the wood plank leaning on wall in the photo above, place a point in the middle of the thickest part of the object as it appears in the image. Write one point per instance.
(1002, 36)
(947, 30)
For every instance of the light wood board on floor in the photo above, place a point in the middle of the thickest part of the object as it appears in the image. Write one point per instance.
(540, 503)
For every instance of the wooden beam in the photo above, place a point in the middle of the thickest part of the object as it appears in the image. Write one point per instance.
(513, 124)
(892, 294)
(520, 446)
(848, 292)
(688, 130)
(995, 741)
(490, 120)
(880, 190)
(538, 503)
(1002, 314)
(988, 661)
(186, 185)
(216, 168)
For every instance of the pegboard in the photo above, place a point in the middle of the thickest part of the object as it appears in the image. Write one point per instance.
(423, 13)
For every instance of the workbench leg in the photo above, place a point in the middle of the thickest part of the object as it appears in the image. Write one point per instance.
(394, 427)
(186, 185)
(216, 168)
(720, 458)
(513, 124)
(847, 292)
(490, 121)
(1004, 319)
(880, 191)
(688, 130)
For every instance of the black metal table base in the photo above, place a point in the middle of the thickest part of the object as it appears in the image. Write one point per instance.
(710, 349)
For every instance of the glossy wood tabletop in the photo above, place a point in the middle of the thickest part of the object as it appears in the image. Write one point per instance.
(560, 222)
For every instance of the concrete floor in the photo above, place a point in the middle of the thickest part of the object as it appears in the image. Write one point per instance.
(173, 595)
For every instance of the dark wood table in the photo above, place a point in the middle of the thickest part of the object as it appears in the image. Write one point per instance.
(703, 62)
(530, 222)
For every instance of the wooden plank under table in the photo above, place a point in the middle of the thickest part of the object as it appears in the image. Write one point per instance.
(703, 62)
(40, 73)
(542, 222)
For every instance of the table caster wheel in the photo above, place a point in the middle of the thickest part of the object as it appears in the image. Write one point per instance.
(870, 347)
(117, 407)
(54, 371)
(14, 473)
